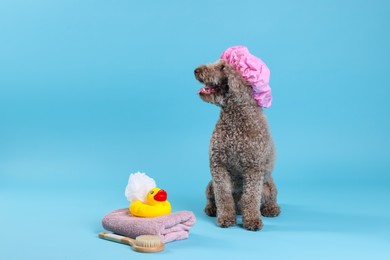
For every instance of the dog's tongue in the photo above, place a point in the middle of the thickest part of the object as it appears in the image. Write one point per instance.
(206, 90)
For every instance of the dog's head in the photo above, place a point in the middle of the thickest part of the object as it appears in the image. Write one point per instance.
(224, 86)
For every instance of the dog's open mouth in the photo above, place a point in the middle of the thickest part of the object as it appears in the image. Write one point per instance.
(208, 90)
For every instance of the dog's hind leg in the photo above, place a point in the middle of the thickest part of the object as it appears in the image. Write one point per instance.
(211, 208)
(269, 206)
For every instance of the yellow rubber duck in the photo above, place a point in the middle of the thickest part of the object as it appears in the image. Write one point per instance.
(156, 205)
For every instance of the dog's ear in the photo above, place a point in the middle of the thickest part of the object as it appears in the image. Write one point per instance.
(239, 91)
(234, 81)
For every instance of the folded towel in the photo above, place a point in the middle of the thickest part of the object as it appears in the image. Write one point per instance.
(175, 226)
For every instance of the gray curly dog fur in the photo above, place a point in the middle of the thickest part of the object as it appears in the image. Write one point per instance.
(242, 153)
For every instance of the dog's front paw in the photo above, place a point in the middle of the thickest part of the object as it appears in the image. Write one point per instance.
(252, 224)
(226, 221)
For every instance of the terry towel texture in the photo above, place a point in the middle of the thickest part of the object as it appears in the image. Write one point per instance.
(175, 226)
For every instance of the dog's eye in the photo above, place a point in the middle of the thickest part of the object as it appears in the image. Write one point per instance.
(222, 67)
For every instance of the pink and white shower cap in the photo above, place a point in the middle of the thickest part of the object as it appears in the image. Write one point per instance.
(253, 70)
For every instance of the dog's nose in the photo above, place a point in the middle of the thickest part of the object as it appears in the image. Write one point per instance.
(197, 71)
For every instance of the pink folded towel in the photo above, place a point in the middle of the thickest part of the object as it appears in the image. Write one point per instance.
(175, 226)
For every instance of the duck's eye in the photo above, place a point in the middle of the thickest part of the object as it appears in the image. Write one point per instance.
(152, 192)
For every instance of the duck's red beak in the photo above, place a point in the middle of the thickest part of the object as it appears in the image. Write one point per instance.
(161, 195)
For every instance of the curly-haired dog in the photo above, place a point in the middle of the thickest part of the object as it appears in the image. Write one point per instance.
(242, 152)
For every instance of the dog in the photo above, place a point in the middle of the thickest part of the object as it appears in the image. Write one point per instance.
(241, 152)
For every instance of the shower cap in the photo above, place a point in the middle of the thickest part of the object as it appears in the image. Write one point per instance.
(253, 70)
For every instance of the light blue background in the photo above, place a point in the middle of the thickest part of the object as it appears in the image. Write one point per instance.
(91, 91)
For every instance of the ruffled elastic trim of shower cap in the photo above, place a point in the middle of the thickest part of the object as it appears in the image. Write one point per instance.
(253, 70)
